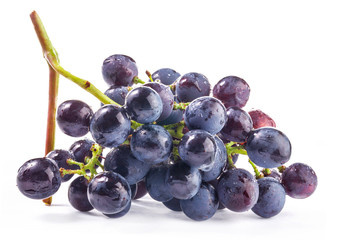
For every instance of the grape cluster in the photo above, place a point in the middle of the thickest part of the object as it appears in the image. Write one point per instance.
(174, 137)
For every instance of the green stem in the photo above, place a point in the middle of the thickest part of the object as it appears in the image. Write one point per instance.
(180, 105)
(137, 80)
(281, 169)
(258, 174)
(175, 130)
(149, 75)
(232, 149)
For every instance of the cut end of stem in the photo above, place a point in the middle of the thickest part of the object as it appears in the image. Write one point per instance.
(47, 201)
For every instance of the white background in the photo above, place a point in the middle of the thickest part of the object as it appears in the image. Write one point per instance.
(287, 51)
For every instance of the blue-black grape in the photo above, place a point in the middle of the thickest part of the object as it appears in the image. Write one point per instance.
(122, 161)
(238, 190)
(299, 180)
(183, 181)
(173, 204)
(109, 192)
(60, 156)
(82, 149)
(110, 126)
(141, 190)
(203, 205)
(121, 213)
(166, 76)
(151, 144)
(268, 147)
(197, 149)
(39, 178)
(260, 119)
(219, 162)
(272, 198)
(73, 118)
(156, 185)
(175, 117)
(191, 86)
(117, 94)
(77, 194)
(232, 91)
(119, 70)
(238, 125)
(166, 96)
(206, 113)
(143, 104)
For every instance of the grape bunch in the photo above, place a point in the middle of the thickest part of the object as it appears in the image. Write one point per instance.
(174, 137)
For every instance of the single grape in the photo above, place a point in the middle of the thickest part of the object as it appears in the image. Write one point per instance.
(203, 205)
(299, 180)
(39, 178)
(166, 76)
(175, 117)
(268, 147)
(166, 96)
(206, 113)
(121, 213)
(219, 162)
(117, 94)
(151, 144)
(214, 183)
(73, 118)
(143, 104)
(173, 204)
(82, 149)
(197, 149)
(232, 91)
(191, 86)
(141, 190)
(122, 161)
(109, 192)
(156, 185)
(77, 194)
(119, 70)
(183, 181)
(110, 126)
(238, 190)
(60, 156)
(272, 198)
(238, 125)
(260, 119)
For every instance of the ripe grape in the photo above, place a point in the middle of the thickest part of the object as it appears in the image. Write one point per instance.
(166, 76)
(121, 213)
(109, 192)
(141, 190)
(232, 91)
(119, 70)
(191, 86)
(299, 180)
(260, 119)
(73, 118)
(156, 185)
(144, 105)
(268, 147)
(110, 126)
(77, 194)
(39, 178)
(60, 156)
(117, 94)
(206, 113)
(173, 204)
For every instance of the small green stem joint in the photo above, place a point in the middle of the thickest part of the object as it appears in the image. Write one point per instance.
(137, 80)
(176, 129)
(258, 174)
(90, 165)
(180, 105)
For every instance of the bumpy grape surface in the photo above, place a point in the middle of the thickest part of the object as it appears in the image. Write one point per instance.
(191, 86)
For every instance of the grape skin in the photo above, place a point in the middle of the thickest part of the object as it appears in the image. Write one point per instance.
(156, 185)
(191, 86)
(77, 194)
(166, 76)
(60, 156)
(260, 119)
(117, 94)
(173, 204)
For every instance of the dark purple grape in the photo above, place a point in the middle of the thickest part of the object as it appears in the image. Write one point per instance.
(151, 144)
(183, 181)
(203, 205)
(121, 213)
(144, 105)
(166, 76)
(119, 70)
(109, 192)
(134, 190)
(238, 125)
(219, 162)
(238, 190)
(77, 194)
(272, 198)
(156, 185)
(260, 119)
(206, 113)
(141, 190)
(122, 161)
(166, 96)
(232, 91)
(268, 147)
(117, 94)
(110, 126)
(73, 118)
(197, 149)
(214, 183)
(82, 149)
(191, 86)
(299, 180)
(173, 204)
(39, 178)
(60, 156)
(175, 117)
